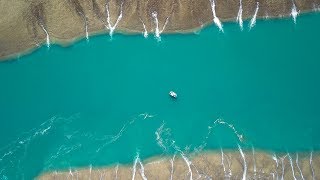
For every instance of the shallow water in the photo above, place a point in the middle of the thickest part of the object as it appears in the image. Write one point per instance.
(82, 105)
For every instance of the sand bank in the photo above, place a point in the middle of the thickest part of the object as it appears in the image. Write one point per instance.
(28, 24)
(208, 165)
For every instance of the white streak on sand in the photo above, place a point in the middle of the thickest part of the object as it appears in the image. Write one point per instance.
(216, 20)
(254, 18)
(188, 162)
(113, 27)
(239, 16)
(134, 167)
(283, 166)
(297, 162)
(222, 162)
(171, 162)
(117, 168)
(254, 163)
(292, 168)
(142, 171)
(244, 176)
(90, 171)
(311, 166)
(274, 157)
(156, 21)
(47, 36)
(145, 32)
(294, 12)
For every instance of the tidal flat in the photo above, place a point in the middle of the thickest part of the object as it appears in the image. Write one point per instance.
(28, 24)
(206, 165)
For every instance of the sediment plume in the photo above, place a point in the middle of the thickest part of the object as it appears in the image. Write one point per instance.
(28, 24)
(226, 164)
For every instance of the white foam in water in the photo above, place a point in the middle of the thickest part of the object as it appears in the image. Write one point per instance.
(297, 162)
(216, 20)
(254, 18)
(204, 142)
(146, 115)
(294, 12)
(47, 35)
(220, 121)
(292, 168)
(244, 176)
(44, 131)
(171, 162)
(159, 138)
(61, 152)
(163, 137)
(239, 16)
(110, 27)
(15, 151)
(6, 154)
(311, 166)
(114, 138)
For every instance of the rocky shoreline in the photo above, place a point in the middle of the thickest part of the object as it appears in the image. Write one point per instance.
(27, 24)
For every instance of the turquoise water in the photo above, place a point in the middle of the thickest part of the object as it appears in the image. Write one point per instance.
(81, 105)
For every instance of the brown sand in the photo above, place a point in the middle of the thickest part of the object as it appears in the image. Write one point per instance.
(207, 165)
(24, 22)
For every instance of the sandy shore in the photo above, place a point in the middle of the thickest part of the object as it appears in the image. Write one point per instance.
(28, 24)
(207, 165)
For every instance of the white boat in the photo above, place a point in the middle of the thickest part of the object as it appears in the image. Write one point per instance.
(173, 94)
